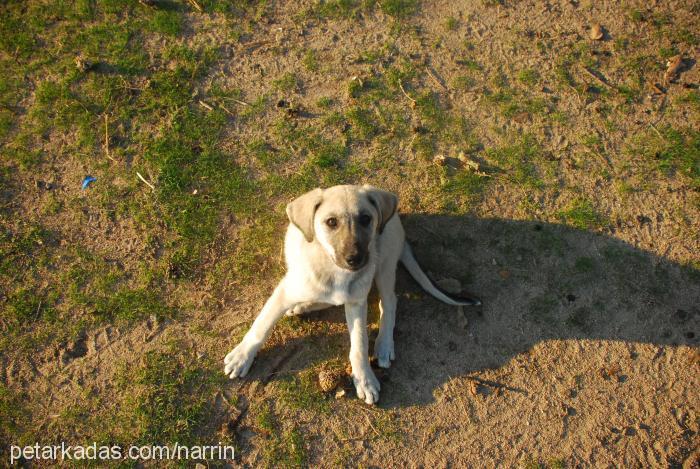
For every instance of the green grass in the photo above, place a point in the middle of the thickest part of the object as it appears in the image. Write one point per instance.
(582, 214)
(166, 22)
(399, 8)
(14, 417)
(692, 99)
(166, 397)
(671, 151)
(302, 392)
(513, 103)
(310, 60)
(528, 77)
(287, 82)
(520, 161)
(466, 187)
(285, 445)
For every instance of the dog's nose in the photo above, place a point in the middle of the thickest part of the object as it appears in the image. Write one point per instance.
(354, 260)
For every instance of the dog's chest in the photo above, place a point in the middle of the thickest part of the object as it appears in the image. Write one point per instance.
(339, 288)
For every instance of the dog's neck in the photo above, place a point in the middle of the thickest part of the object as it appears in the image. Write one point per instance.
(330, 277)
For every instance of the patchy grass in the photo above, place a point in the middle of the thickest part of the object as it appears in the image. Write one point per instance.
(520, 161)
(285, 446)
(302, 392)
(582, 214)
(166, 399)
(671, 151)
(118, 87)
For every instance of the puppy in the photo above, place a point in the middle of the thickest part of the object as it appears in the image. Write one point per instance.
(338, 241)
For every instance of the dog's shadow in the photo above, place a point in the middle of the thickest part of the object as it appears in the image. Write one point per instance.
(537, 281)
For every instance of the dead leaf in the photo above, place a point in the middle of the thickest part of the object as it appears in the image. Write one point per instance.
(672, 67)
(596, 33)
(505, 274)
(521, 117)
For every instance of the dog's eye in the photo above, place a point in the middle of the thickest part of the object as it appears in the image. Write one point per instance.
(365, 220)
(332, 222)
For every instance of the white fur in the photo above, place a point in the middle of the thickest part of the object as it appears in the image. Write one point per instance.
(314, 281)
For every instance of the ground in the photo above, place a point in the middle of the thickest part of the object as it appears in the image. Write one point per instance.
(553, 173)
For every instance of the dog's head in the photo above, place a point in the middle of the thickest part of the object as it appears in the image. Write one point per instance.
(344, 219)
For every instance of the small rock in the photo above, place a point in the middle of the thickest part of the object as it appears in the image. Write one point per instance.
(43, 185)
(340, 393)
(596, 33)
(82, 64)
(643, 220)
(199, 465)
(440, 160)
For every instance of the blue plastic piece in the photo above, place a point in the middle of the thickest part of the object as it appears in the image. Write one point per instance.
(86, 182)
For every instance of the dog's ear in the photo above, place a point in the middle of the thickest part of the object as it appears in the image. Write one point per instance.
(385, 203)
(301, 212)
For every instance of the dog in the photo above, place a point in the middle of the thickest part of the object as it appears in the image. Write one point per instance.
(338, 241)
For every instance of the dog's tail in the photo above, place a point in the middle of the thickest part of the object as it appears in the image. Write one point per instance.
(409, 261)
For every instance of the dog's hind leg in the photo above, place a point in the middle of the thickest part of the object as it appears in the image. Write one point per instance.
(238, 361)
(384, 345)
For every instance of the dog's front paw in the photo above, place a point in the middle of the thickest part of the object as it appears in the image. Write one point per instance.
(366, 386)
(238, 361)
(384, 352)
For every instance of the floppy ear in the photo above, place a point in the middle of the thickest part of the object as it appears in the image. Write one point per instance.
(301, 212)
(385, 203)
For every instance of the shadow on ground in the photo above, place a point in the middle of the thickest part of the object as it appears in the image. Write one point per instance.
(538, 282)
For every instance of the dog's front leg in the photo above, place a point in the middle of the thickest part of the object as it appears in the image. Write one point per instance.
(366, 384)
(238, 361)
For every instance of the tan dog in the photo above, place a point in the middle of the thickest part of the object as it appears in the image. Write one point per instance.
(338, 241)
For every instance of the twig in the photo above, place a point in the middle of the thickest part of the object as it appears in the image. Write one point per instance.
(196, 5)
(585, 69)
(242, 103)
(406, 94)
(496, 385)
(657, 131)
(226, 110)
(205, 105)
(578, 97)
(144, 181)
(369, 421)
(435, 78)
(603, 158)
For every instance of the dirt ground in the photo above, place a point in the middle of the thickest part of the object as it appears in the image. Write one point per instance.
(568, 200)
